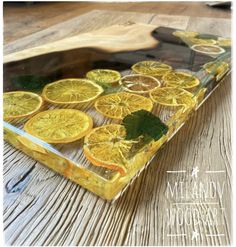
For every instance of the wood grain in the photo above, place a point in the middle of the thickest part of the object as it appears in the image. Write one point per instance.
(21, 20)
(115, 38)
(43, 208)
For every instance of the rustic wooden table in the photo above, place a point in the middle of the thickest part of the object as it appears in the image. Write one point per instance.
(43, 208)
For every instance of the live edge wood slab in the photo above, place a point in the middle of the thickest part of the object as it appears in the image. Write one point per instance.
(43, 208)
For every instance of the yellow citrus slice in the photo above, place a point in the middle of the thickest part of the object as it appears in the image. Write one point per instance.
(59, 125)
(197, 41)
(225, 42)
(139, 83)
(217, 68)
(106, 76)
(187, 34)
(20, 104)
(70, 91)
(170, 96)
(106, 146)
(208, 49)
(180, 79)
(118, 105)
(153, 68)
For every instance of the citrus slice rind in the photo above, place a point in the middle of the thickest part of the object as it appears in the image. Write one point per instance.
(152, 68)
(171, 96)
(208, 49)
(118, 105)
(71, 91)
(106, 76)
(180, 79)
(138, 83)
(106, 146)
(20, 104)
(59, 125)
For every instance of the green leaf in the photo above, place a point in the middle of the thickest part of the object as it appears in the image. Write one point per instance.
(144, 123)
(109, 88)
(30, 82)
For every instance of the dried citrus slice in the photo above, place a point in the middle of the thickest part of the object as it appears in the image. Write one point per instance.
(106, 146)
(208, 49)
(20, 104)
(225, 42)
(153, 68)
(180, 79)
(70, 91)
(118, 105)
(217, 68)
(170, 96)
(59, 125)
(197, 41)
(106, 76)
(185, 34)
(139, 83)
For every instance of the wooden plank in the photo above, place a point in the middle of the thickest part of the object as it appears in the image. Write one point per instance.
(73, 27)
(115, 38)
(79, 25)
(212, 27)
(43, 208)
(21, 20)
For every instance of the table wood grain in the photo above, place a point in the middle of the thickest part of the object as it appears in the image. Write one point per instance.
(44, 208)
(22, 20)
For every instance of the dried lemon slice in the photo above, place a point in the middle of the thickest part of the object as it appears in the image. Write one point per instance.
(104, 76)
(118, 105)
(153, 68)
(59, 126)
(217, 68)
(20, 104)
(139, 83)
(180, 79)
(197, 41)
(187, 34)
(208, 49)
(225, 42)
(106, 146)
(170, 96)
(71, 91)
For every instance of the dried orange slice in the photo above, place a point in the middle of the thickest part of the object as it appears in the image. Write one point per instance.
(208, 49)
(153, 68)
(180, 79)
(59, 125)
(20, 104)
(106, 146)
(187, 34)
(171, 96)
(118, 105)
(71, 91)
(139, 83)
(104, 76)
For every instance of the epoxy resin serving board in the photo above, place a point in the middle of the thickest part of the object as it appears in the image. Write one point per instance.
(142, 83)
